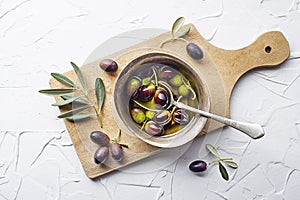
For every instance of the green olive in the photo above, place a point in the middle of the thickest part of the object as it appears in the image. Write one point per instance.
(138, 115)
(133, 85)
(150, 114)
(183, 91)
(176, 80)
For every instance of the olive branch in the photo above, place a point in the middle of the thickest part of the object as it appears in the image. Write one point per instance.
(82, 101)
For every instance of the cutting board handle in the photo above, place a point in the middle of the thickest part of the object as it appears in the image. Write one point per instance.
(268, 50)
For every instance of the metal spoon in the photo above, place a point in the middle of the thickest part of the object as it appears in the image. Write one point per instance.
(255, 131)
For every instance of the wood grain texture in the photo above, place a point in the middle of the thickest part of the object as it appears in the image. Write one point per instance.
(220, 69)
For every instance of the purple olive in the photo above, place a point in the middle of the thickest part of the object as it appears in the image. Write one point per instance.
(146, 72)
(162, 117)
(138, 115)
(161, 97)
(194, 51)
(108, 65)
(135, 94)
(146, 92)
(116, 151)
(152, 128)
(181, 117)
(100, 138)
(101, 155)
(133, 86)
(198, 166)
(166, 72)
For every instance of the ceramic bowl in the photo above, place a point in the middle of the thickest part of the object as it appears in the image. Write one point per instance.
(121, 102)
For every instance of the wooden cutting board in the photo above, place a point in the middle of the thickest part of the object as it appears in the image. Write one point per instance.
(219, 68)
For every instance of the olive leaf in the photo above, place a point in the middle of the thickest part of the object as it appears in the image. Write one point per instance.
(213, 150)
(77, 101)
(65, 102)
(63, 79)
(182, 32)
(100, 92)
(57, 92)
(177, 32)
(80, 77)
(77, 113)
(177, 25)
(71, 113)
(232, 164)
(223, 171)
(78, 117)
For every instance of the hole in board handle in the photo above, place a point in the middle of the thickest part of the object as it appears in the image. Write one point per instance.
(268, 49)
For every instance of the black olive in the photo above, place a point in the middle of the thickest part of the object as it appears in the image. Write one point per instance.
(181, 117)
(162, 117)
(166, 72)
(108, 65)
(101, 155)
(198, 166)
(153, 128)
(100, 138)
(146, 72)
(161, 97)
(194, 51)
(116, 151)
(146, 92)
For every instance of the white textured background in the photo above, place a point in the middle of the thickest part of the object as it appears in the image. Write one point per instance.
(37, 159)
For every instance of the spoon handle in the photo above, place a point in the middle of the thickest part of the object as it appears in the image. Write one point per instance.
(255, 131)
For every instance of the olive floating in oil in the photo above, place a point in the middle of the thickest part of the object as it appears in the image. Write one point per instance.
(133, 86)
(166, 72)
(162, 117)
(138, 115)
(149, 102)
(153, 128)
(161, 97)
(146, 92)
(183, 91)
(181, 117)
(176, 80)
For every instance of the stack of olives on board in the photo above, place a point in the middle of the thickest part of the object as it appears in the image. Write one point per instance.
(149, 100)
(106, 146)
